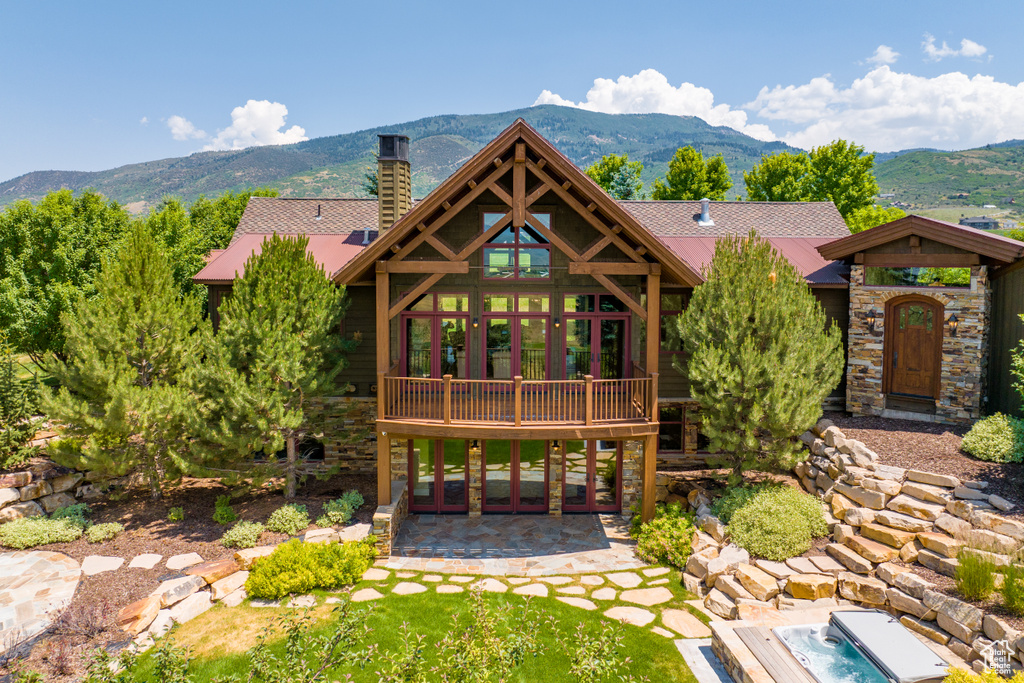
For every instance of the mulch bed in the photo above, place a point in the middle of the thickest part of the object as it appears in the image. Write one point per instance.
(63, 656)
(934, 448)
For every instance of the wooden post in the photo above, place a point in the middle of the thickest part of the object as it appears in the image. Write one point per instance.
(519, 186)
(383, 470)
(383, 366)
(588, 399)
(519, 400)
(653, 319)
(653, 407)
(383, 321)
(447, 399)
(649, 495)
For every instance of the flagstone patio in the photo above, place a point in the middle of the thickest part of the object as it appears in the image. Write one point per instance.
(510, 545)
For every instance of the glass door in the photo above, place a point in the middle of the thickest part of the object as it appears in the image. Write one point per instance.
(418, 338)
(438, 475)
(515, 476)
(516, 345)
(596, 346)
(592, 476)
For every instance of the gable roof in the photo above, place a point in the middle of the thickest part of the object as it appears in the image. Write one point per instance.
(800, 251)
(290, 216)
(330, 251)
(990, 245)
(770, 219)
(493, 155)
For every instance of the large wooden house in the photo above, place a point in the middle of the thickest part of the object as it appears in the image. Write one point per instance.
(517, 335)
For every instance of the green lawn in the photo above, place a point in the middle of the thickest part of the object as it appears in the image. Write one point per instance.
(219, 638)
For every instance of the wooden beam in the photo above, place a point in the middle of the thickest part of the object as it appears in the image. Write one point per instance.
(653, 321)
(460, 267)
(441, 247)
(562, 245)
(519, 186)
(423, 285)
(582, 210)
(609, 268)
(921, 260)
(448, 215)
(596, 249)
(610, 285)
(536, 194)
(485, 237)
(541, 163)
(649, 490)
(383, 337)
(500, 193)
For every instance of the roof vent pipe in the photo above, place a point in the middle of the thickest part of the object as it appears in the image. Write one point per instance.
(366, 235)
(705, 213)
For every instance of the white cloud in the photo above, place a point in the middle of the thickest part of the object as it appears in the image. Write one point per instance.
(650, 92)
(144, 121)
(182, 129)
(259, 122)
(883, 55)
(968, 48)
(887, 110)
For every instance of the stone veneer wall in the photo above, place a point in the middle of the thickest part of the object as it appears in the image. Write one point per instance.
(632, 473)
(349, 434)
(964, 357)
(387, 520)
(556, 474)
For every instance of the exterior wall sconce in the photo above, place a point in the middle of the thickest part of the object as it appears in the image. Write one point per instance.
(872, 318)
(476, 322)
(558, 322)
(953, 323)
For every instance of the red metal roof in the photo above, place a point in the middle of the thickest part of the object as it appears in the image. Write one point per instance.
(330, 251)
(800, 251)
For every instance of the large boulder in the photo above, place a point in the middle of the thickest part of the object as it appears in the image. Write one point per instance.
(719, 603)
(214, 571)
(858, 516)
(729, 557)
(848, 558)
(191, 607)
(697, 563)
(874, 500)
(811, 586)
(871, 550)
(223, 587)
(937, 563)
(940, 543)
(954, 526)
(56, 501)
(247, 556)
(173, 591)
(915, 508)
(912, 584)
(927, 492)
(36, 489)
(762, 585)
(20, 510)
(862, 588)
(887, 535)
(902, 602)
(898, 520)
(933, 479)
(137, 616)
(961, 620)
(984, 539)
(733, 588)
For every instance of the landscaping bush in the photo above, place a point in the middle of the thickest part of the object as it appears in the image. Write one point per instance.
(735, 498)
(98, 533)
(75, 514)
(1013, 589)
(33, 531)
(778, 523)
(335, 513)
(242, 535)
(975, 577)
(175, 514)
(288, 519)
(666, 538)
(955, 675)
(353, 498)
(998, 438)
(297, 567)
(222, 513)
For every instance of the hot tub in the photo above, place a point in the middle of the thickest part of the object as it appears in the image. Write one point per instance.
(864, 646)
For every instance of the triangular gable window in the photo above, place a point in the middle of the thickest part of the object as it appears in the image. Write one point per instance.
(517, 253)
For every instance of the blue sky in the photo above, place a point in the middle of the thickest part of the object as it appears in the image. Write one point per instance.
(89, 86)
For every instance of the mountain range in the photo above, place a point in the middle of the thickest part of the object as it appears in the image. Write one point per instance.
(336, 165)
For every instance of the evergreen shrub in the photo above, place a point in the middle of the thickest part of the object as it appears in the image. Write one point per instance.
(997, 438)
(297, 567)
(666, 538)
(222, 513)
(778, 523)
(30, 532)
(75, 514)
(99, 533)
(735, 498)
(242, 535)
(288, 519)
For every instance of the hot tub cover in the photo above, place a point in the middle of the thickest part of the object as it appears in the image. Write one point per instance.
(890, 646)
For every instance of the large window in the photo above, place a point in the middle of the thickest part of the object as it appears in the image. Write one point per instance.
(917, 277)
(671, 306)
(434, 336)
(517, 253)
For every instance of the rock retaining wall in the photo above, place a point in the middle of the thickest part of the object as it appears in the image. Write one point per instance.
(40, 490)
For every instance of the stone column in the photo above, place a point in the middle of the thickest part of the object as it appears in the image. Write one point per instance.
(399, 459)
(632, 467)
(556, 458)
(475, 478)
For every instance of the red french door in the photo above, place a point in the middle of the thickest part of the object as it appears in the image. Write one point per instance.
(595, 337)
(438, 475)
(515, 476)
(516, 345)
(592, 476)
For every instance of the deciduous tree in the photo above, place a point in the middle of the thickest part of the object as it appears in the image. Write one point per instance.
(780, 177)
(690, 176)
(123, 402)
(618, 176)
(761, 357)
(276, 348)
(842, 173)
(870, 216)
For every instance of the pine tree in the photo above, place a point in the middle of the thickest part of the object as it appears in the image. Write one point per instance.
(123, 403)
(16, 400)
(277, 347)
(760, 357)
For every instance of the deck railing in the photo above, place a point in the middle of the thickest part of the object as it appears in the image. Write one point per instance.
(518, 402)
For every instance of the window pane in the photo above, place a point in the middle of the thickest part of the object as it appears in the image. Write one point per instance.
(424, 303)
(497, 473)
(611, 304)
(456, 457)
(670, 413)
(499, 262)
(575, 473)
(534, 263)
(453, 303)
(671, 302)
(532, 457)
(491, 218)
(453, 347)
(916, 317)
(417, 347)
(670, 437)
(580, 303)
(577, 348)
(534, 303)
(506, 236)
(497, 303)
(917, 277)
(421, 470)
(544, 218)
(528, 235)
(533, 348)
(499, 348)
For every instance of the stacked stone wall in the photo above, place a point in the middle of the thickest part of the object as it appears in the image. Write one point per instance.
(346, 427)
(41, 489)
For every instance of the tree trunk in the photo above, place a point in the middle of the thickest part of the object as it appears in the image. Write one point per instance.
(289, 475)
(155, 491)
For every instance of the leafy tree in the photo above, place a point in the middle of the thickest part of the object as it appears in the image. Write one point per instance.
(218, 218)
(276, 348)
(871, 216)
(761, 358)
(781, 177)
(842, 173)
(50, 255)
(1017, 368)
(691, 177)
(618, 176)
(16, 402)
(370, 180)
(122, 399)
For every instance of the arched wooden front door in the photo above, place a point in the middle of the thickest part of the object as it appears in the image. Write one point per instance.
(913, 346)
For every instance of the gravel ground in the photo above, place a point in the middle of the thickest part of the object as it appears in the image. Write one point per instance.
(62, 656)
(934, 448)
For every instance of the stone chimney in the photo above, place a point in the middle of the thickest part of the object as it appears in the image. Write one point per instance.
(394, 180)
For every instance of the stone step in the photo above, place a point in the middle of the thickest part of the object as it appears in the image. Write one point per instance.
(898, 520)
(915, 507)
(871, 550)
(852, 561)
(887, 535)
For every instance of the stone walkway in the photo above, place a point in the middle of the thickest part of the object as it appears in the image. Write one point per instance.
(514, 545)
(33, 585)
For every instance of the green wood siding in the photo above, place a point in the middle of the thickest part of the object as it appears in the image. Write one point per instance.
(361, 318)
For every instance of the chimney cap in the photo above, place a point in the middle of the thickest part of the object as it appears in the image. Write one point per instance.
(394, 147)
